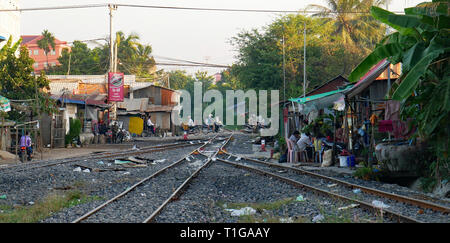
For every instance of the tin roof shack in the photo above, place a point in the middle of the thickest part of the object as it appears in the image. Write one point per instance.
(366, 109)
(316, 102)
(156, 101)
(5, 139)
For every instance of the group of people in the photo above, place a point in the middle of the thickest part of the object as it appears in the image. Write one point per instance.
(306, 143)
(211, 123)
(256, 122)
(112, 131)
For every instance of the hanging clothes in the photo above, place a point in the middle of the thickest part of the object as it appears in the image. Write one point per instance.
(392, 111)
(385, 126)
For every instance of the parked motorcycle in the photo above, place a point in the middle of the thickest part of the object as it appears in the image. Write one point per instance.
(24, 155)
(339, 147)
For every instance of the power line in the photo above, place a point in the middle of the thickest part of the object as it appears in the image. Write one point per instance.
(179, 8)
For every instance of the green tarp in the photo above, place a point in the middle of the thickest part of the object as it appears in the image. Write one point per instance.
(307, 99)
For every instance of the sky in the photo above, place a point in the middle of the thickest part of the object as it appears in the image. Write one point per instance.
(200, 36)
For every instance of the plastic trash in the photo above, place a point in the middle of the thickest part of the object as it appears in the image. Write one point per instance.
(331, 185)
(242, 211)
(3, 196)
(126, 173)
(188, 159)
(356, 191)
(87, 170)
(100, 163)
(237, 159)
(31, 202)
(300, 198)
(286, 220)
(118, 162)
(318, 218)
(379, 204)
(78, 169)
(353, 205)
(160, 160)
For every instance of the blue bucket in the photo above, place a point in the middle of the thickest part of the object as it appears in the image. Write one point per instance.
(351, 161)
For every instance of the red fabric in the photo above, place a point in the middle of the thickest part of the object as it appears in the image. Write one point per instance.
(385, 126)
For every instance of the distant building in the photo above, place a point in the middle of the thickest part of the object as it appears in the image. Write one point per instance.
(9, 21)
(38, 54)
(217, 78)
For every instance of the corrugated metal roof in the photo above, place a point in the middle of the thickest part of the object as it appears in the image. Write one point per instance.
(368, 78)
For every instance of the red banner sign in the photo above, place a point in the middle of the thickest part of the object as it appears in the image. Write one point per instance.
(115, 86)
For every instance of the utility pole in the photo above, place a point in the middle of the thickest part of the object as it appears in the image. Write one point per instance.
(111, 58)
(304, 59)
(284, 72)
(68, 69)
(168, 80)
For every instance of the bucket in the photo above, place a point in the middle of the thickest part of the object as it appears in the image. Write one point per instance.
(343, 161)
(351, 161)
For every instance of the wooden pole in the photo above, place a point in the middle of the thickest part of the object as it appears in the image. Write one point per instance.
(17, 140)
(333, 156)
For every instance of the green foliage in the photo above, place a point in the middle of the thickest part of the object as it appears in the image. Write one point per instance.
(133, 58)
(366, 173)
(46, 43)
(422, 45)
(74, 131)
(260, 54)
(18, 83)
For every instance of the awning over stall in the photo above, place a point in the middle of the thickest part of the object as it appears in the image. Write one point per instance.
(320, 101)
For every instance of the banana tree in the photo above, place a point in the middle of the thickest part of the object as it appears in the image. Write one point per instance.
(421, 43)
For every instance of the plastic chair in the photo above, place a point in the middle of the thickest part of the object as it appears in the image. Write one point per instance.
(292, 154)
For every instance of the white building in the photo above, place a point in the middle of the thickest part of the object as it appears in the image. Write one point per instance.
(9, 20)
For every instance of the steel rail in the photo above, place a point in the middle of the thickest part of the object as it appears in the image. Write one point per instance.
(398, 217)
(181, 188)
(148, 149)
(399, 198)
(88, 214)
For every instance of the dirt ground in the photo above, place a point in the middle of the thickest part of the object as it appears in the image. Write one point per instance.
(62, 153)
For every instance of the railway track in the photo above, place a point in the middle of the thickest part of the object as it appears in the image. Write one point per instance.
(401, 208)
(149, 195)
(104, 155)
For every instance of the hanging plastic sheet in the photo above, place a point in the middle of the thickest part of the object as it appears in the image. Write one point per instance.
(5, 105)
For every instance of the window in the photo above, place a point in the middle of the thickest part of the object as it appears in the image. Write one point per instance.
(52, 64)
(36, 52)
(52, 52)
(45, 64)
(36, 65)
(30, 52)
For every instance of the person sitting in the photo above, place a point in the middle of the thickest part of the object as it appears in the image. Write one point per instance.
(303, 143)
(190, 123)
(295, 136)
(210, 122)
(217, 124)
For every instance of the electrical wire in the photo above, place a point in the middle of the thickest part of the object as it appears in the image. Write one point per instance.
(179, 8)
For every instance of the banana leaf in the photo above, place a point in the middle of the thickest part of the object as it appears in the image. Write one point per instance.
(412, 78)
(380, 53)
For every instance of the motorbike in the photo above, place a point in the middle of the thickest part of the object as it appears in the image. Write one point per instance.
(339, 147)
(24, 155)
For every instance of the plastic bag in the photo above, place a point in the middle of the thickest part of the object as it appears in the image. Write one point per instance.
(327, 158)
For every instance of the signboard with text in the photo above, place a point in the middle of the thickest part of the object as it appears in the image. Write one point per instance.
(115, 86)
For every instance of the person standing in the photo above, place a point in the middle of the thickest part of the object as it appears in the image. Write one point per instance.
(150, 125)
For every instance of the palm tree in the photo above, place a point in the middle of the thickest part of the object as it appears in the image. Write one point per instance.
(353, 22)
(47, 43)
